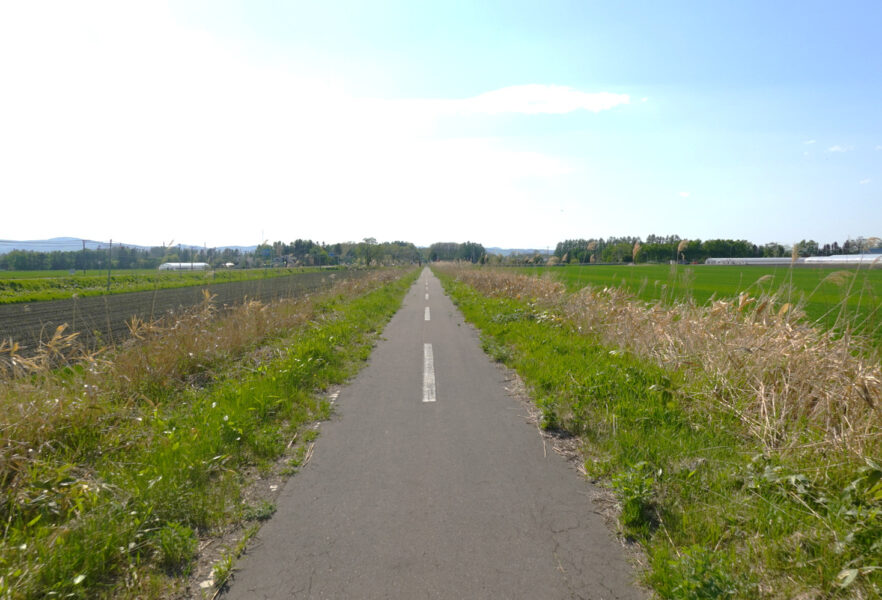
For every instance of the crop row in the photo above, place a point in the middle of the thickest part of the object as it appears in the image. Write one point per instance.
(35, 286)
(104, 319)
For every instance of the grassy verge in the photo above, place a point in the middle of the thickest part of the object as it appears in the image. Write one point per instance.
(111, 469)
(723, 508)
(36, 286)
(833, 298)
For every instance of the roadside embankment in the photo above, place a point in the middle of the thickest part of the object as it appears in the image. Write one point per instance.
(742, 444)
(113, 467)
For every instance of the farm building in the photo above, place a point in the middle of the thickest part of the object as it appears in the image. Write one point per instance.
(177, 266)
(752, 261)
(866, 260)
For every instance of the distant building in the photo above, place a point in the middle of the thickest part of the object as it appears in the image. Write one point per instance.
(872, 260)
(177, 266)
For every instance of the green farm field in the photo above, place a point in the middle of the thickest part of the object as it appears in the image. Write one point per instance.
(34, 286)
(827, 295)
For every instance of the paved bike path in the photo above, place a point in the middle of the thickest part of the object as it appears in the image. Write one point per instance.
(406, 497)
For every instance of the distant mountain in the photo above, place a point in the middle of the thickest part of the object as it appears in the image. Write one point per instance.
(60, 244)
(69, 244)
(509, 251)
(243, 249)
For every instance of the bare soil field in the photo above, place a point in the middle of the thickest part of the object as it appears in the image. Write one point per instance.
(102, 319)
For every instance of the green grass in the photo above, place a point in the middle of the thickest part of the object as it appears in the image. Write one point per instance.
(717, 515)
(34, 286)
(223, 569)
(855, 298)
(116, 499)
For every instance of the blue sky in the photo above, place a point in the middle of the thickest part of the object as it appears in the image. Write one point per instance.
(514, 124)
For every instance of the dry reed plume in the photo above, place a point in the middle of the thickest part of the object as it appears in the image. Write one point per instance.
(753, 355)
(681, 248)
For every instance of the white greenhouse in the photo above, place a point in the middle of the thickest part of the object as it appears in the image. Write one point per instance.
(865, 260)
(177, 266)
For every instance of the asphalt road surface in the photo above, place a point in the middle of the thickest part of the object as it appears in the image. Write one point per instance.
(430, 483)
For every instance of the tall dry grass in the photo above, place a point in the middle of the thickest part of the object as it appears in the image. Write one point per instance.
(54, 395)
(792, 385)
(681, 248)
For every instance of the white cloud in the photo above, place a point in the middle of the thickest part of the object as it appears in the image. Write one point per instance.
(528, 99)
(838, 148)
(865, 181)
(683, 194)
(537, 99)
(878, 147)
(808, 142)
(644, 99)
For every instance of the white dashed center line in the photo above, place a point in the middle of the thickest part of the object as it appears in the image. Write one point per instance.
(428, 374)
(427, 314)
(427, 295)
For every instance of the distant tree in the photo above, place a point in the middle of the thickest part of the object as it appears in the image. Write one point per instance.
(851, 246)
(318, 256)
(618, 252)
(443, 251)
(773, 250)
(368, 252)
(807, 248)
(470, 251)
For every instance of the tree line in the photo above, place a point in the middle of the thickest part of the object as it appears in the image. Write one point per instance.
(120, 257)
(672, 247)
(305, 252)
(368, 252)
(297, 253)
(469, 251)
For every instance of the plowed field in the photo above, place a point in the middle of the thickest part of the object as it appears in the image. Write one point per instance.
(102, 319)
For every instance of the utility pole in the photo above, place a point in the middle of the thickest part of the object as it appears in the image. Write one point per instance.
(109, 263)
(84, 257)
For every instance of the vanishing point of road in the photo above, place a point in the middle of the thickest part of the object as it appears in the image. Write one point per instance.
(430, 483)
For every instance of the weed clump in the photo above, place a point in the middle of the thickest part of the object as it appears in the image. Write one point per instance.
(175, 546)
(634, 486)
